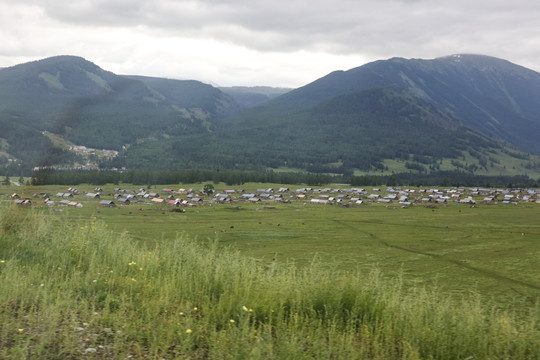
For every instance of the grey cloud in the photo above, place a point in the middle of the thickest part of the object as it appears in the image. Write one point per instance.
(302, 18)
(366, 29)
(346, 26)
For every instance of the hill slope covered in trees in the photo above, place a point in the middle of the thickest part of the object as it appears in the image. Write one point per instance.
(468, 113)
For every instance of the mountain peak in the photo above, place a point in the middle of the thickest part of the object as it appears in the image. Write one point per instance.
(59, 60)
(477, 61)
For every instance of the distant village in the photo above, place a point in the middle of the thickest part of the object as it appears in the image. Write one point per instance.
(87, 153)
(346, 197)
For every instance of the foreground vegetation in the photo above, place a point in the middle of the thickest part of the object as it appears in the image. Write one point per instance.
(74, 290)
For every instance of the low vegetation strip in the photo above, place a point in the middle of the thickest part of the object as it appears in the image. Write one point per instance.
(70, 291)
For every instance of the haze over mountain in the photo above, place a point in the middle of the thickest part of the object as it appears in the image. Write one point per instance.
(463, 112)
(249, 97)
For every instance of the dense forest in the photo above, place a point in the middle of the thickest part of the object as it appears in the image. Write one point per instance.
(234, 177)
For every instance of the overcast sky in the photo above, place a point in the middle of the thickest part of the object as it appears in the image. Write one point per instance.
(286, 43)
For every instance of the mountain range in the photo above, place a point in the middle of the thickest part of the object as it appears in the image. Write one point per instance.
(469, 113)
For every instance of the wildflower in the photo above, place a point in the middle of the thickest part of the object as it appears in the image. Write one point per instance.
(232, 321)
(20, 331)
(195, 309)
(132, 263)
(245, 308)
(181, 313)
(2, 261)
(189, 331)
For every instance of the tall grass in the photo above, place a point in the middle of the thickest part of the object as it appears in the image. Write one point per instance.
(69, 291)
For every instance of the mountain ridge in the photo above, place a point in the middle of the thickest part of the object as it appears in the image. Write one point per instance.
(461, 112)
(76, 99)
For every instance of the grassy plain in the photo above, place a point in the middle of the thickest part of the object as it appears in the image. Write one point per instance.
(493, 250)
(73, 291)
(499, 164)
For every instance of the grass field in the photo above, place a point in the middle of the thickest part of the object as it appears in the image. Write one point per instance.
(493, 250)
(512, 166)
(71, 289)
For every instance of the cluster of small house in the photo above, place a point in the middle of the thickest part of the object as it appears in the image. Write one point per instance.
(345, 197)
(425, 196)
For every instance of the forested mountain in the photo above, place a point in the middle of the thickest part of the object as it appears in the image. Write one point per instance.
(459, 112)
(357, 130)
(86, 105)
(468, 113)
(490, 95)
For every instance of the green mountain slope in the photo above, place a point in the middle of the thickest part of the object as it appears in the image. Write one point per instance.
(468, 113)
(87, 105)
(205, 100)
(487, 94)
(356, 131)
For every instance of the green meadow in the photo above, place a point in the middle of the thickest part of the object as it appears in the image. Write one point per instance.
(490, 249)
(269, 280)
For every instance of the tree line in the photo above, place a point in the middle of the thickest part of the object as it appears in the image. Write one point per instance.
(237, 177)
(155, 177)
